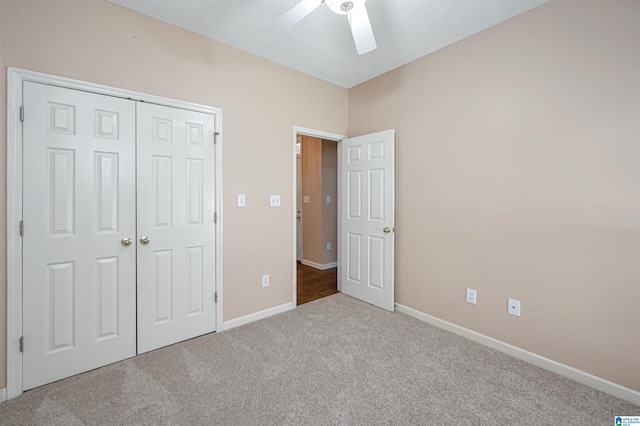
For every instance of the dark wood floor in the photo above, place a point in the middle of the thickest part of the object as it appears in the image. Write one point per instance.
(315, 284)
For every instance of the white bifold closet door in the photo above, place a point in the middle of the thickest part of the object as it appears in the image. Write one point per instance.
(176, 201)
(79, 280)
(108, 273)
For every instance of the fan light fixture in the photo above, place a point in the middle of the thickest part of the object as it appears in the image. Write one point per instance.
(341, 7)
(356, 13)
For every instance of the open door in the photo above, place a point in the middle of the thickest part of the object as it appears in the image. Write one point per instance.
(368, 218)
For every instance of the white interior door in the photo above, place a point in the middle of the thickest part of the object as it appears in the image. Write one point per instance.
(176, 202)
(367, 218)
(79, 299)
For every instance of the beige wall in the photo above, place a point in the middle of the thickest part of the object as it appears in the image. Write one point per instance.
(518, 175)
(95, 41)
(312, 188)
(319, 218)
(329, 210)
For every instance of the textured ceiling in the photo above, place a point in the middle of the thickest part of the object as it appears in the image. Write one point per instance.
(321, 44)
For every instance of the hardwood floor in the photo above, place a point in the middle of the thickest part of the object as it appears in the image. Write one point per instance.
(315, 284)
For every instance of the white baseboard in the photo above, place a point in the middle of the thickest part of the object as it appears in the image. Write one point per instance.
(579, 376)
(236, 322)
(3, 395)
(319, 265)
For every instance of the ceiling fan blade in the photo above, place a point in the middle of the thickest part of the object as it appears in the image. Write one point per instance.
(361, 29)
(294, 15)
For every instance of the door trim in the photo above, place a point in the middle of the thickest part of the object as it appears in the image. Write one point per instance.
(305, 131)
(15, 78)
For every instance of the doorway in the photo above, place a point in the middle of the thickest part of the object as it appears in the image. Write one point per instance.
(316, 217)
(366, 215)
(316, 210)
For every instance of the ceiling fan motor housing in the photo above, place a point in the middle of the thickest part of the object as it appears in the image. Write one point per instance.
(341, 7)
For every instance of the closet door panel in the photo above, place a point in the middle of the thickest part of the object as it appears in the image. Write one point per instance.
(176, 200)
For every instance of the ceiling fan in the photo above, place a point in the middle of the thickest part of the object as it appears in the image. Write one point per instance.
(354, 9)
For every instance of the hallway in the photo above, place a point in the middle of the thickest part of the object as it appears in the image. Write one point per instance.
(315, 284)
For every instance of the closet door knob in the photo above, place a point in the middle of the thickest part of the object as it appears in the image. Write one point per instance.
(126, 242)
(145, 240)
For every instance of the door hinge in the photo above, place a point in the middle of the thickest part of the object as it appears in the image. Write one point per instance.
(21, 112)
(215, 217)
(21, 344)
(22, 228)
(215, 137)
(215, 297)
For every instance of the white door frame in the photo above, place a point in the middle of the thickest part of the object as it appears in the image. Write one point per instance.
(15, 78)
(298, 130)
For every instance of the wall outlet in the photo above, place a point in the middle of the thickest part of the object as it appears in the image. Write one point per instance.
(513, 307)
(471, 296)
(274, 201)
(242, 200)
(328, 246)
(305, 199)
(328, 199)
(265, 281)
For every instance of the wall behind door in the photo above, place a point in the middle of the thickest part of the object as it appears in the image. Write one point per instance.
(320, 214)
(96, 41)
(330, 204)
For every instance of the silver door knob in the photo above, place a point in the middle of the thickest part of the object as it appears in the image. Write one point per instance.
(126, 242)
(387, 230)
(145, 240)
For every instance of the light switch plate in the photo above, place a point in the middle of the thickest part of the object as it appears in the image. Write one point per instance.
(242, 200)
(305, 199)
(274, 201)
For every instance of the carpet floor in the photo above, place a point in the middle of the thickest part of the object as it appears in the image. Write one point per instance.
(334, 361)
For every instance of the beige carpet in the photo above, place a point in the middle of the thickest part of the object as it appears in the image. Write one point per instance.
(335, 361)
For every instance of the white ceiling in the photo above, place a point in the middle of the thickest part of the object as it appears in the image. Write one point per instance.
(321, 44)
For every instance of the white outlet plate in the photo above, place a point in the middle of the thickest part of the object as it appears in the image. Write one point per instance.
(513, 307)
(242, 200)
(305, 199)
(471, 296)
(328, 246)
(265, 281)
(274, 201)
(328, 199)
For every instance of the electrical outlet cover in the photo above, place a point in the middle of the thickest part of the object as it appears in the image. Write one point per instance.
(471, 296)
(513, 307)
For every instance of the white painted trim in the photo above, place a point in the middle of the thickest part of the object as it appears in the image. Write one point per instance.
(218, 226)
(53, 80)
(572, 373)
(321, 266)
(14, 241)
(339, 212)
(298, 130)
(236, 322)
(15, 79)
(3, 395)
